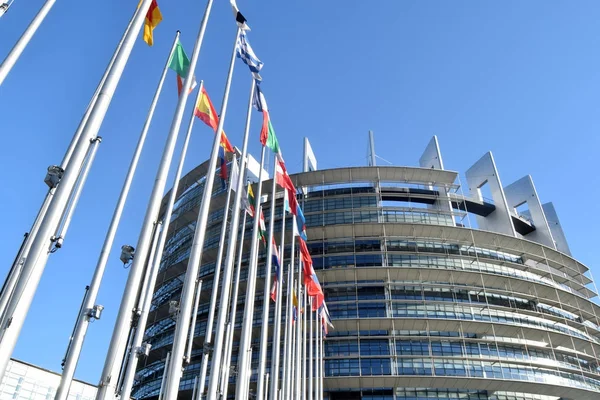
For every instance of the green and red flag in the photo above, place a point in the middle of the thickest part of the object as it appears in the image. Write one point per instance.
(180, 63)
(267, 133)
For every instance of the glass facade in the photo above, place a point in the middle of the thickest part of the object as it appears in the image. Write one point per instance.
(424, 306)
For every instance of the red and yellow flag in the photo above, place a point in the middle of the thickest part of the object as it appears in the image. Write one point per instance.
(153, 18)
(207, 113)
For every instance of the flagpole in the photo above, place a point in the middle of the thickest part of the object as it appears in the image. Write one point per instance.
(213, 384)
(68, 215)
(155, 262)
(310, 353)
(277, 321)
(231, 323)
(83, 319)
(36, 262)
(162, 382)
(195, 257)
(117, 345)
(11, 281)
(292, 373)
(298, 332)
(266, 295)
(320, 358)
(246, 334)
(304, 344)
(322, 362)
(317, 396)
(214, 292)
(23, 41)
(286, 337)
(290, 320)
(320, 355)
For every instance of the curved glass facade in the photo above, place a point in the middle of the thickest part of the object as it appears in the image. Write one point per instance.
(424, 307)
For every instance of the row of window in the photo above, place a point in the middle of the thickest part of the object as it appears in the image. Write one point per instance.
(463, 394)
(383, 216)
(456, 368)
(379, 347)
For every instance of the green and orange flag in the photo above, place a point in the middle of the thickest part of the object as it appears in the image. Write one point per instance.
(180, 63)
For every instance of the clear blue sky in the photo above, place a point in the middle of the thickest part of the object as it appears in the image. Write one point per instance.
(520, 78)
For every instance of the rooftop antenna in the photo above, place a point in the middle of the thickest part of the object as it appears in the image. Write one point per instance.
(371, 156)
(371, 162)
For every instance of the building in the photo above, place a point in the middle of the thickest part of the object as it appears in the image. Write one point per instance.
(24, 381)
(436, 291)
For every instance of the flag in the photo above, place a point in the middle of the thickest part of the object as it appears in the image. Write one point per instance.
(246, 54)
(235, 173)
(311, 282)
(223, 170)
(262, 230)
(267, 133)
(325, 319)
(300, 228)
(248, 201)
(180, 63)
(207, 113)
(283, 179)
(275, 262)
(295, 303)
(153, 18)
(239, 18)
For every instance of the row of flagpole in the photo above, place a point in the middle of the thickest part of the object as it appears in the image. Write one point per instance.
(126, 346)
(65, 182)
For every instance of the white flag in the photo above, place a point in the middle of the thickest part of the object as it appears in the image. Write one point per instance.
(235, 173)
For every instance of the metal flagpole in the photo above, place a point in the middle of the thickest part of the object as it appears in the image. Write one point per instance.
(320, 355)
(95, 143)
(213, 384)
(322, 362)
(195, 258)
(298, 333)
(304, 344)
(23, 253)
(137, 332)
(246, 334)
(231, 323)
(286, 336)
(310, 352)
(36, 262)
(317, 396)
(122, 325)
(292, 359)
(262, 357)
(84, 317)
(18, 48)
(276, 348)
(162, 382)
(290, 324)
(215, 290)
(155, 262)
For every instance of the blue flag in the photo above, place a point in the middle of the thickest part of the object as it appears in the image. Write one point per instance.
(246, 54)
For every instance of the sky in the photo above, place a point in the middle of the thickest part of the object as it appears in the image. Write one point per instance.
(518, 78)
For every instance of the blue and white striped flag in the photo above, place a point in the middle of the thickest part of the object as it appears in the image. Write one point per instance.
(246, 54)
